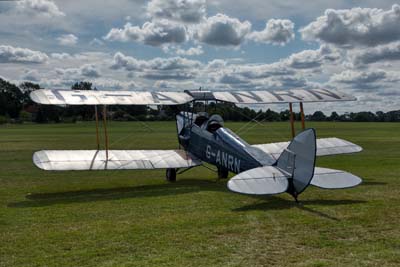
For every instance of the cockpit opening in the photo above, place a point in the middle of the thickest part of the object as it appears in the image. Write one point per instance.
(214, 123)
(201, 118)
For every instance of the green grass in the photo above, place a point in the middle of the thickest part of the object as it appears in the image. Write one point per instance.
(135, 218)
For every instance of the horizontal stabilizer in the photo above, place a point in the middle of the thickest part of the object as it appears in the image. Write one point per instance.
(74, 160)
(265, 180)
(325, 147)
(334, 179)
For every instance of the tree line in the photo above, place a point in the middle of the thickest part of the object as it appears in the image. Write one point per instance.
(16, 107)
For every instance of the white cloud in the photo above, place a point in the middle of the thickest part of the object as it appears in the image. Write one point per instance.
(308, 59)
(368, 79)
(39, 7)
(277, 32)
(193, 51)
(60, 56)
(96, 42)
(120, 61)
(221, 30)
(30, 75)
(151, 33)
(10, 54)
(176, 68)
(188, 11)
(87, 70)
(381, 53)
(67, 39)
(355, 27)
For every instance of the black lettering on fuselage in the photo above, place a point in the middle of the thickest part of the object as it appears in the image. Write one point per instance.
(222, 158)
(218, 158)
(230, 162)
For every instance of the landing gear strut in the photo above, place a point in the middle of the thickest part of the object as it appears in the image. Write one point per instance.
(222, 173)
(170, 175)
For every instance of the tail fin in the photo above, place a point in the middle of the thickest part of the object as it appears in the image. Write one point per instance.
(298, 160)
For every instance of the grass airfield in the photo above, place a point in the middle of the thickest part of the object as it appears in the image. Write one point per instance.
(136, 218)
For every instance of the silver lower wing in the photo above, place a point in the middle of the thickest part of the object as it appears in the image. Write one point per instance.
(78, 160)
(325, 147)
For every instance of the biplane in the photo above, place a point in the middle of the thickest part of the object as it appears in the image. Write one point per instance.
(260, 169)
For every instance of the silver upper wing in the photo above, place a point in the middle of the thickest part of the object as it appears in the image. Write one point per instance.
(62, 160)
(93, 97)
(325, 147)
(286, 96)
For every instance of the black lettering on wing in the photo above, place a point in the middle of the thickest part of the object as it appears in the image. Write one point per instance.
(162, 98)
(319, 93)
(58, 95)
(281, 94)
(240, 97)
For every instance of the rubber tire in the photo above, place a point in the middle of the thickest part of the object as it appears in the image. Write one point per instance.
(223, 173)
(170, 175)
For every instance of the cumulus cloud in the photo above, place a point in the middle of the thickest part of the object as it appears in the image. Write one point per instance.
(188, 11)
(39, 7)
(67, 39)
(277, 32)
(87, 70)
(121, 61)
(355, 27)
(151, 33)
(30, 75)
(10, 54)
(221, 30)
(381, 53)
(308, 59)
(193, 51)
(361, 79)
(177, 68)
(96, 42)
(60, 56)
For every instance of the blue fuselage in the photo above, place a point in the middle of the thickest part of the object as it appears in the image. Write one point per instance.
(224, 149)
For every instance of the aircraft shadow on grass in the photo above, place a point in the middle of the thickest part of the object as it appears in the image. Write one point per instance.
(277, 203)
(180, 187)
(368, 183)
(106, 194)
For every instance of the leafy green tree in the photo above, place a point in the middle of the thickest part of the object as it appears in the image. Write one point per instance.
(11, 99)
(318, 116)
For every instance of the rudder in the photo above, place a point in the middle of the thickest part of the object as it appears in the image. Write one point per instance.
(298, 159)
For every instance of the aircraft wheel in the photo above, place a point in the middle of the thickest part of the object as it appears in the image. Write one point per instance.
(170, 175)
(223, 173)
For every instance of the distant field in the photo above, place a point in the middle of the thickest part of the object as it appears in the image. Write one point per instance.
(136, 218)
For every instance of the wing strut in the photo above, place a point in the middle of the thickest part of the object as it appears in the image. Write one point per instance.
(105, 129)
(303, 124)
(97, 127)
(292, 119)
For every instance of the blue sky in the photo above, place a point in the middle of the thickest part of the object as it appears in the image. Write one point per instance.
(353, 46)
